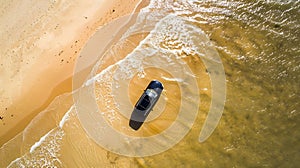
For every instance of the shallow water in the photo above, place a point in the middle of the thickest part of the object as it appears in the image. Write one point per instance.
(258, 43)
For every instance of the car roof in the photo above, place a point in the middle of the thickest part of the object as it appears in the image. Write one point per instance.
(155, 84)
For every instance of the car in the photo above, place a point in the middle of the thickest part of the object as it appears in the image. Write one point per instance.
(145, 104)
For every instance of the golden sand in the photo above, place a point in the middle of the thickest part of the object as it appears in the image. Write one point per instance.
(38, 59)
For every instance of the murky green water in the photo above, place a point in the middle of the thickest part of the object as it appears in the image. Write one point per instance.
(259, 46)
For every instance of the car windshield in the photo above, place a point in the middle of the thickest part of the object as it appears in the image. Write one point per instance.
(151, 93)
(144, 104)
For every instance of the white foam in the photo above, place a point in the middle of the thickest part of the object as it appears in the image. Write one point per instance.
(173, 79)
(61, 123)
(47, 153)
(15, 161)
(42, 139)
(65, 117)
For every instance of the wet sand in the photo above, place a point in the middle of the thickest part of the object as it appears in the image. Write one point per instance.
(45, 82)
(44, 48)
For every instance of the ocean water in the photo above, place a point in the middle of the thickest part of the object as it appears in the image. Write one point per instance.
(181, 44)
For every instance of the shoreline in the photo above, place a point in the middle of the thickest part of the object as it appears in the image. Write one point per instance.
(24, 112)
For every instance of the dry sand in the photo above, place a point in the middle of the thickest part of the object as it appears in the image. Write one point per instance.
(40, 42)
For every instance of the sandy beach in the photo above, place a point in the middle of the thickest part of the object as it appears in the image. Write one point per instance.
(38, 59)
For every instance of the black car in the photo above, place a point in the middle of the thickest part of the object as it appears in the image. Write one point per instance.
(145, 104)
